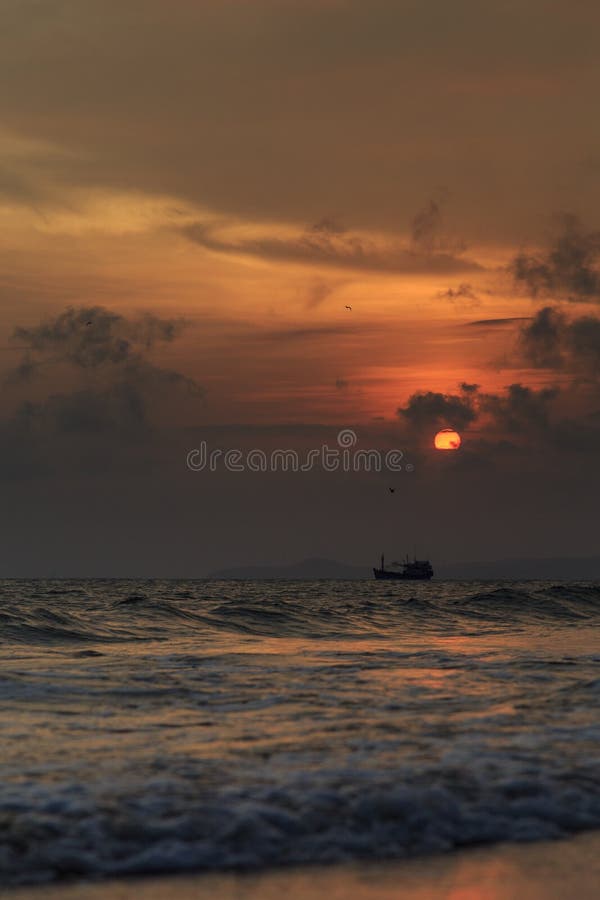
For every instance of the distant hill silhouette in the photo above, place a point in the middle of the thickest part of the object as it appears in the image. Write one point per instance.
(306, 570)
(567, 568)
(561, 568)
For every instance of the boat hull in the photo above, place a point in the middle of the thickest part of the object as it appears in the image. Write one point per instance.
(386, 575)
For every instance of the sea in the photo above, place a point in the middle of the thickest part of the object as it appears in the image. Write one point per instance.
(170, 726)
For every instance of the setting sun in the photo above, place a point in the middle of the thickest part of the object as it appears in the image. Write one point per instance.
(447, 439)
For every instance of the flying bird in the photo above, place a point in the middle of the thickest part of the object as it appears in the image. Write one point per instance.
(392, 490)
(348, 307)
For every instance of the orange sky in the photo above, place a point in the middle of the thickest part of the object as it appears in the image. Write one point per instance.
(209, 185)
(257, 167)
(270, 339)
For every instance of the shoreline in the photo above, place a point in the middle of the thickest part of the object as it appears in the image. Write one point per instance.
(545, 870)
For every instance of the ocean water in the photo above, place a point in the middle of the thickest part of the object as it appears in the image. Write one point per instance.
(163, 726)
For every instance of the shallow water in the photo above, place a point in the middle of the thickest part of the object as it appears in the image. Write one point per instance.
(170, 725)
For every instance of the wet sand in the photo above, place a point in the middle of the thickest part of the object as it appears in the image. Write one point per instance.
(549, 870)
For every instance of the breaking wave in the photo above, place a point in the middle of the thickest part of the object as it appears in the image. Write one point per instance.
(66, 832)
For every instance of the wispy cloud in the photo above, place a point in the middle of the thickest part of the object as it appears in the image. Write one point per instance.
(309, 333)
(328, 243)
(497, 323)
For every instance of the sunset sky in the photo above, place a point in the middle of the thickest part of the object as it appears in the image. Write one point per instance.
(193, 193)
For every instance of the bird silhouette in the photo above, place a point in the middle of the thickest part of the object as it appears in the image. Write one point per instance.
(348, 307)
(392, 490)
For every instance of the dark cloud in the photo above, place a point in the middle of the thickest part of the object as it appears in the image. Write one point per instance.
(520, 410)
(564, 416)
(123, 386)
(536, 421)
(518, 413)
(568, 269)
(552, 340)
(119, 408)
(88, 337)
(463, 296)
(436, 410)
(25, 370)
(542, 339)
(584, 343)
